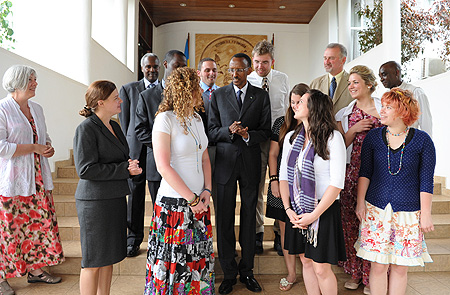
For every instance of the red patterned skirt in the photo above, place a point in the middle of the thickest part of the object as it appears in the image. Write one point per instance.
(29, 231)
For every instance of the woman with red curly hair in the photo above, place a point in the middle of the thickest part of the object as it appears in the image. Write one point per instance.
(395, 189)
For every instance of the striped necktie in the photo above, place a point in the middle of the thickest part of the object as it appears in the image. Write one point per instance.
(265, 84)
(333, 86)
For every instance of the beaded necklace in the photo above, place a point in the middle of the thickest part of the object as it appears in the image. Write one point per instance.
(198, 143)
(397, 134)
(389, 148)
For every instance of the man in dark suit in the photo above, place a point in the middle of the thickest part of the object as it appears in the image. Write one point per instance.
(335, 83)
(146, 109)
(129, 93)
(238, 121)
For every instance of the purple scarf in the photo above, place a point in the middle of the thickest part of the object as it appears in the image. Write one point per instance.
(302, 184)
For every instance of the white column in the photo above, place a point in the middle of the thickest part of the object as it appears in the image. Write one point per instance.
(392, 33)
(344, 18)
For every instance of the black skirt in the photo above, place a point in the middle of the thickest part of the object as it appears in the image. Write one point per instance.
(330, 239)
(103, 231)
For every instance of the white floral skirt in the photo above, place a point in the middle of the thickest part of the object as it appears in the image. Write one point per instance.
(389, 237)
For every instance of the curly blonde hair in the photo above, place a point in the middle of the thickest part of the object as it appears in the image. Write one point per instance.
(182, 95)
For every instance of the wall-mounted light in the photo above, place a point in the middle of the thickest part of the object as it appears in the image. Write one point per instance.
(232, 6)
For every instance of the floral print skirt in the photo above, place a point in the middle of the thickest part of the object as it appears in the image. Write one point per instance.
(180, 255)
(388, 237)
(29, 231)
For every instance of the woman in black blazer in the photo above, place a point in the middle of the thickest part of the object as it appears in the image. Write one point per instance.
(101, 159)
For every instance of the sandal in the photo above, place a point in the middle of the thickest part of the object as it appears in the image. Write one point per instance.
(352, 285)
(285, 285)
(5, 289)
(44, 277)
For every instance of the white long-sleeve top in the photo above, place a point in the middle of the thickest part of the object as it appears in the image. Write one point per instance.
(327, 172)
(18, 173)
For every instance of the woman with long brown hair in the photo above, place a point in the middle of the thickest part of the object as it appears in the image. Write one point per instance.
(312, 174)
(180, 257)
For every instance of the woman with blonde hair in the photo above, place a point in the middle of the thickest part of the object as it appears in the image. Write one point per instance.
(355, 121)
(395, 189)
(180, 257)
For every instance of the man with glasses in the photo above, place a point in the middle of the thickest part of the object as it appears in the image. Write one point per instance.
(239, 120)
(277, 85)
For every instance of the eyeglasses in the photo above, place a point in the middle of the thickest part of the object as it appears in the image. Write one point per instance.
(237, 70)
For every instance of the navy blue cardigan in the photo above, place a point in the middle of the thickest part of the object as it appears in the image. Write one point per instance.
(416, 175)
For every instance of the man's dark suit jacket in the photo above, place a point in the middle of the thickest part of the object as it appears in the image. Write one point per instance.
(255, 114)
(146, 109)
(129, 94)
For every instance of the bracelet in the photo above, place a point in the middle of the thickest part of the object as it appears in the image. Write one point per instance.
(273, 178)
(288, 208)
(205, 189)
(195, 201)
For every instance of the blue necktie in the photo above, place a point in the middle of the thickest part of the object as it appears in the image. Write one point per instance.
(333, 87)
(238, 98)
(151, 85)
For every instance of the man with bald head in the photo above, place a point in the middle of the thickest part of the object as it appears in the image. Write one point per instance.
(335, 83)
(146, 109)
(391, 76)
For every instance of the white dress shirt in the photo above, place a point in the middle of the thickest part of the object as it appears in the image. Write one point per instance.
(278, 91)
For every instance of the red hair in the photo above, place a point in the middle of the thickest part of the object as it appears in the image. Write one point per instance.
(406, 106)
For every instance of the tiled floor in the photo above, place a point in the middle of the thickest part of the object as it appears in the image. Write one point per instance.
(419, 283)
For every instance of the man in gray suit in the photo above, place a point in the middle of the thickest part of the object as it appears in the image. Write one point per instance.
(238, 121)
(146, 109)
(129, 93)
(336, 81)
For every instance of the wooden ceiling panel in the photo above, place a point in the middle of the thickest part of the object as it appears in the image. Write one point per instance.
(264, 11)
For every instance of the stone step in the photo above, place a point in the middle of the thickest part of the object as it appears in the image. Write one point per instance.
(267, 263)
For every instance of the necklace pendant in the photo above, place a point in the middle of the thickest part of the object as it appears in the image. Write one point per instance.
(200, 146)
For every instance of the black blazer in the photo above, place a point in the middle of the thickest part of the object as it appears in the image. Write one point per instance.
(129, 93)
(255, 114)
(101, 160)
(146, 109)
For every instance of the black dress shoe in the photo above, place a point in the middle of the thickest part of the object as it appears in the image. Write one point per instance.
(277, 244)
(132, 250)
(251, 283)
(227, 286)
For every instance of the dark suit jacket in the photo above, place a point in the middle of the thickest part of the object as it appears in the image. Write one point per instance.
(204, 115)
(341, 97)
(146, 109)
(101, 160)
(129, 93)
(255, 114)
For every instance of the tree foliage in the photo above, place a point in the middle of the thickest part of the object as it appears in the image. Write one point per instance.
(6, 32)
(417, 25)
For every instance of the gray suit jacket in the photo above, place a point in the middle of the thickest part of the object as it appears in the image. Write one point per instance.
(101, 160)
(255, 114)
(146, 109)
(341, 97)
(129, 93)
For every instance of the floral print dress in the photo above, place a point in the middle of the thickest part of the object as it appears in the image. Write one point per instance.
(29, 230)
(355, 266)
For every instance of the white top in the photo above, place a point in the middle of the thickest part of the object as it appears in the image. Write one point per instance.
(278, 91)
(18, 174)
(425, 121)
(185, 155)
(344, 113)
(327, 172)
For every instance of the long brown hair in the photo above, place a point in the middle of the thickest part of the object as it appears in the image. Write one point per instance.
(290, 122)
(321, 122)
(182, 95)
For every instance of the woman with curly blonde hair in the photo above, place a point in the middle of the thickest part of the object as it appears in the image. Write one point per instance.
(180, 256)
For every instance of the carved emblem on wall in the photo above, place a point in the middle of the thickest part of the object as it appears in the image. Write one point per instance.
(221, 48)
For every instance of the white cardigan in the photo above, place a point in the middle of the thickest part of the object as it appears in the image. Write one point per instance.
(342, 116)
(18, 173)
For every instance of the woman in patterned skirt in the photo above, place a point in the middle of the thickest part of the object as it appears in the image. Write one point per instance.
(180, 257)
(275, 209)
(395, 189)
(354, 121)
(28, 227)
